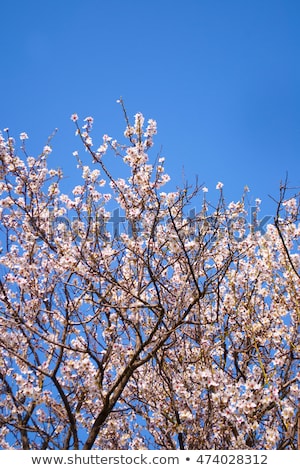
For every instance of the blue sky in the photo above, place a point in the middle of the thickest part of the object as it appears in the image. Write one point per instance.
(221, 77)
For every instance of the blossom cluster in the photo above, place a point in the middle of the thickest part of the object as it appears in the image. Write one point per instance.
(178, 331)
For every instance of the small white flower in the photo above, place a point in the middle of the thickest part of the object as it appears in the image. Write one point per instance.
(23, 136)
(30, 161)
(78, 190)
(88, 141)
(102, 149)
(47, 149)
(94, 175)
(219, 185)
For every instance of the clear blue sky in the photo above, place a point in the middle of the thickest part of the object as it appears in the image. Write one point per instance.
(221, 77)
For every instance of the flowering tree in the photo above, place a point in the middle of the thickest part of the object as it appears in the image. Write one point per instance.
(172, 332)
